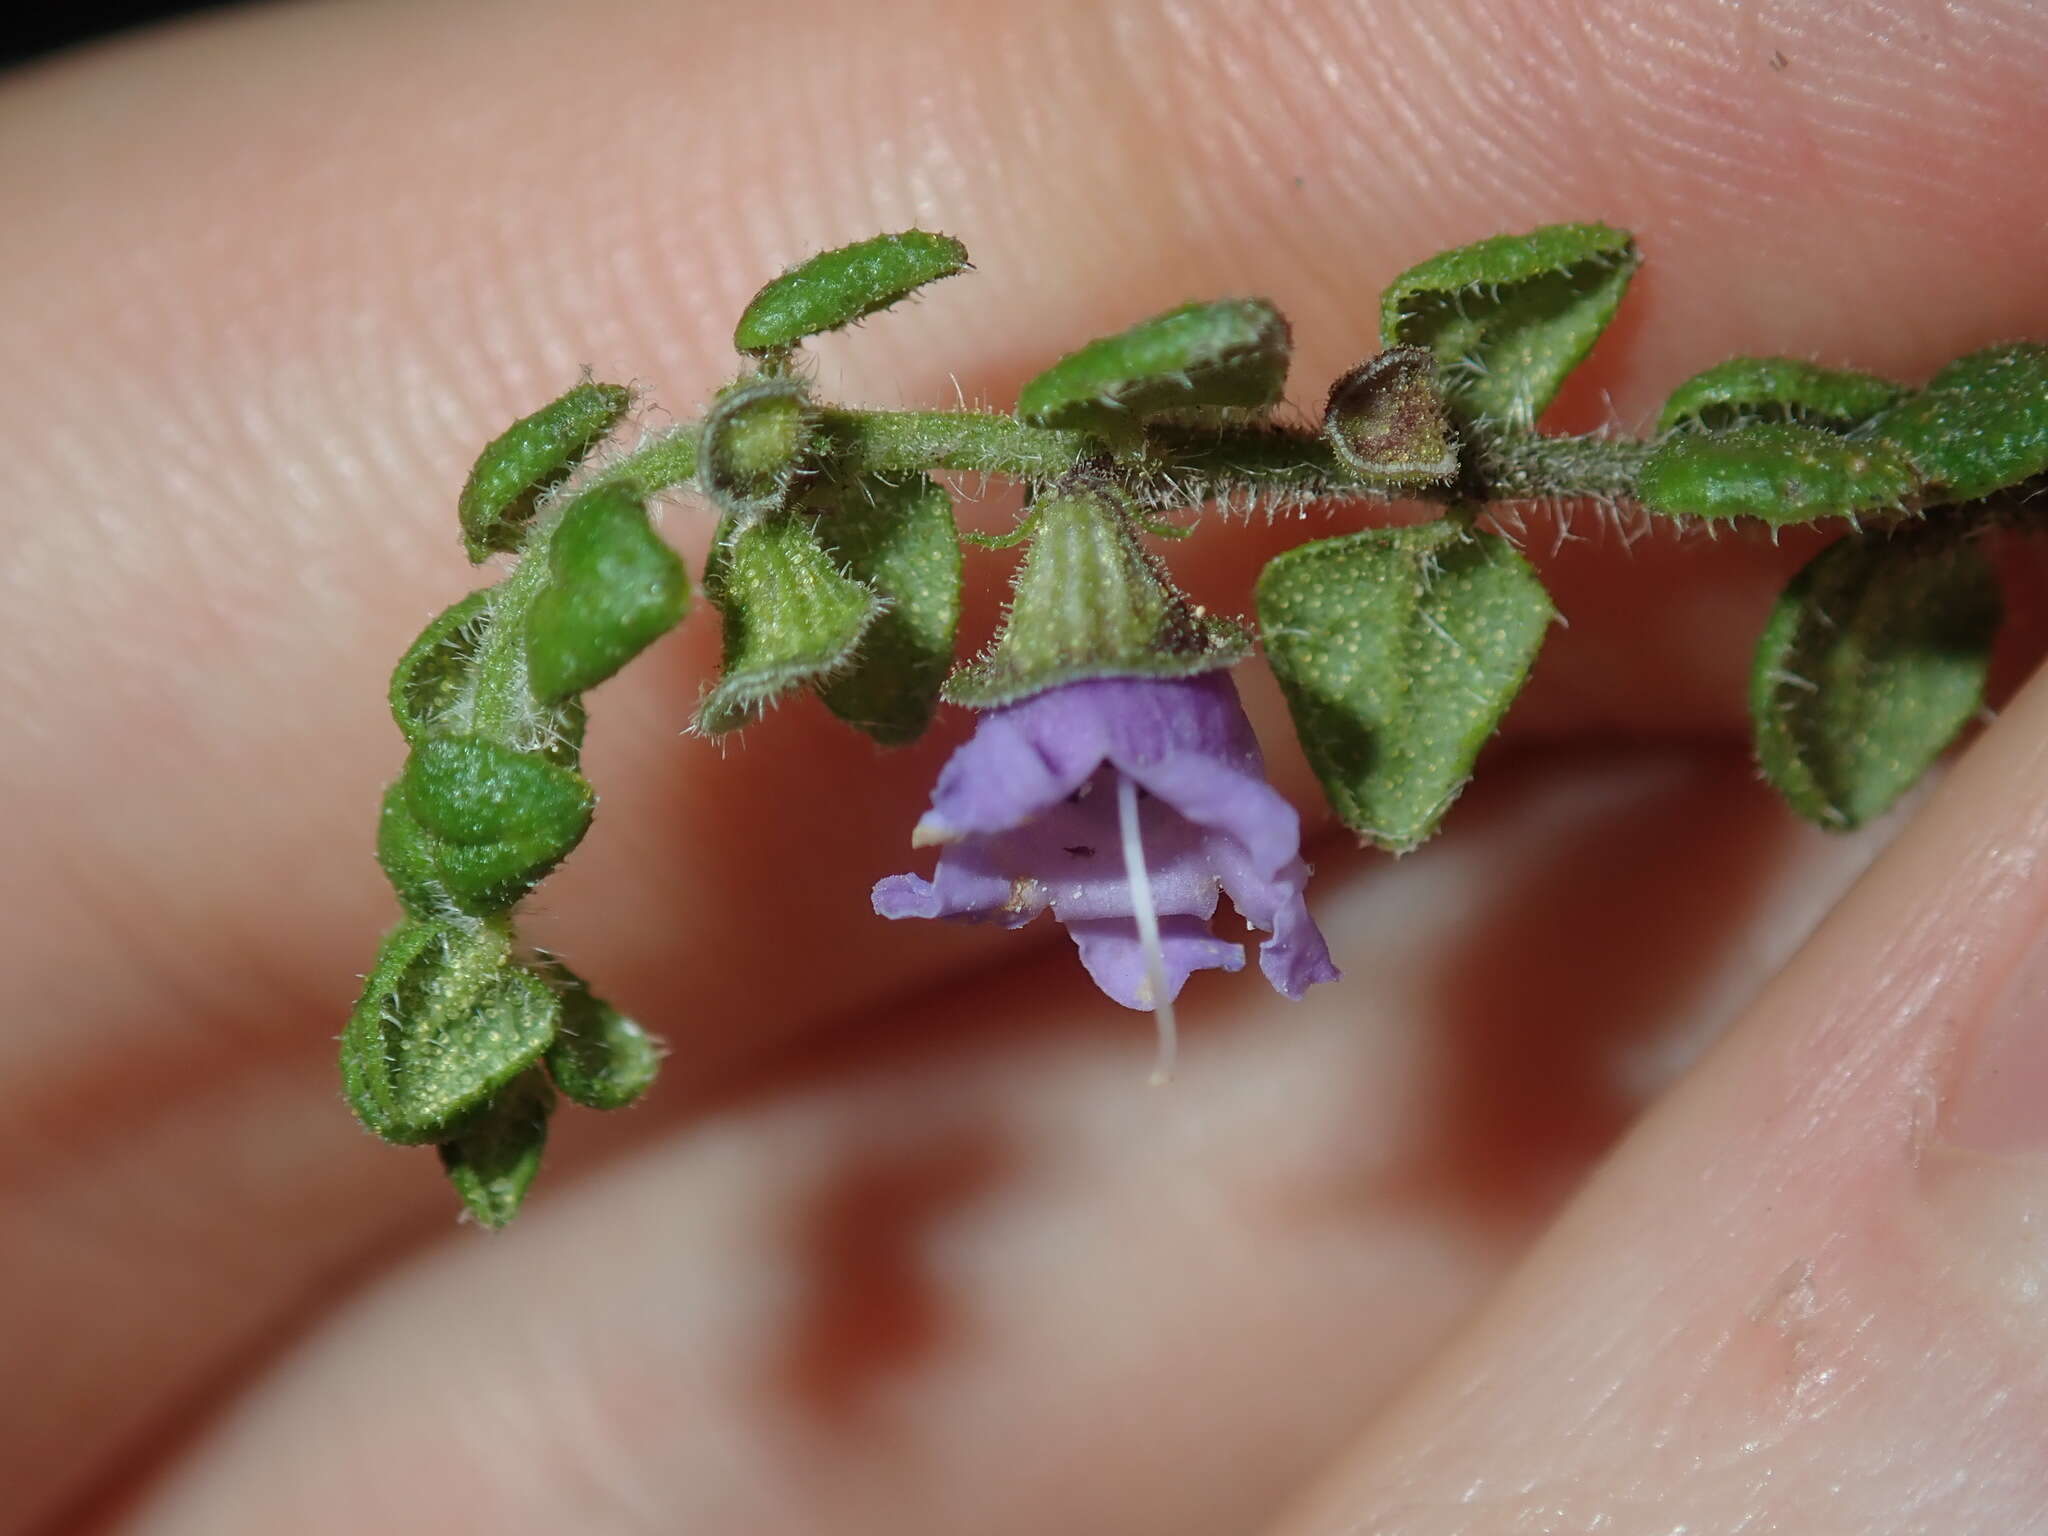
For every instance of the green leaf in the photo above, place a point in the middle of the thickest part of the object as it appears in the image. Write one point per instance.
(439, 671)
(433, 689)
(791, 615)
(1872, 660)
(533, 455)
(1398, 651)
(600, 1058)
(410, 857)
(1508, 318)
(1232, 352)
(836, 288)
(1091, 601)
(1779, 472)
(899, 540)
(1385, 419)
(754, 440)
(613, 589)
(498, 820)
(1981, 424)
(1745, 390)
(444, 1021)
(493, 1162)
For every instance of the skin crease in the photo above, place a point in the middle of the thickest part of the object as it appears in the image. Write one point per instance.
(904, 1244)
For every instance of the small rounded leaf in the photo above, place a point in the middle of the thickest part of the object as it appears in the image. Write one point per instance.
(1398, 651)
(1508, 318)
(613, 589)
(1385, 419)
(1981, 424)
(493, 1162)
(1779, 473)
(836, 288)
(445, 1020)
(499, 819)
(410, 858)
(533, 456)
(1872, 660)
(600, 1058)
(1231, 352)
(1745, 390)
(439, 671)
(901, 541)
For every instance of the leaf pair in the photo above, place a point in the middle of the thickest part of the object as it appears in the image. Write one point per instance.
(1400, 649)
(448, 1039)
(1875, 655)
(448, 1042)
(1788, 442)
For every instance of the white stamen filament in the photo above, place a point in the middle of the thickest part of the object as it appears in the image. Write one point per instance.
(1148, 926)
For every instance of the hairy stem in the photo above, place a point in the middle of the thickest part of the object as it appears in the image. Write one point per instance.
(1170, 465)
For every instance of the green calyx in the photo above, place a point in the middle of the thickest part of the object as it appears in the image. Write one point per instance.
(613, 589)
(899, 540)
(445, 1021)
(754, 441)
(496, 1157)
(792, 615)
(1090, 601)
(1385, 418)
(600, 1058)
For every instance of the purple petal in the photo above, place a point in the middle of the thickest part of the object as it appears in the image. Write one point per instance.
(1018, 763)
(964, 890)
(1116, 960)
(1028, 756)
(1027, 810)
(1226, 799)
(1295, 957)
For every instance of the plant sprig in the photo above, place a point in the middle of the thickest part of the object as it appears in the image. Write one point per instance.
(836, 567)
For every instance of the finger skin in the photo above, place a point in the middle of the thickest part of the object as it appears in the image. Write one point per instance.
(269, 280)
(965, 1272)
(1796, 1299)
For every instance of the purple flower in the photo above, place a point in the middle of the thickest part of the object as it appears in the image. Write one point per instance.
(1123, 804)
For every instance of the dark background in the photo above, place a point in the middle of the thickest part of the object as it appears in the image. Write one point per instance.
(46, 28)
